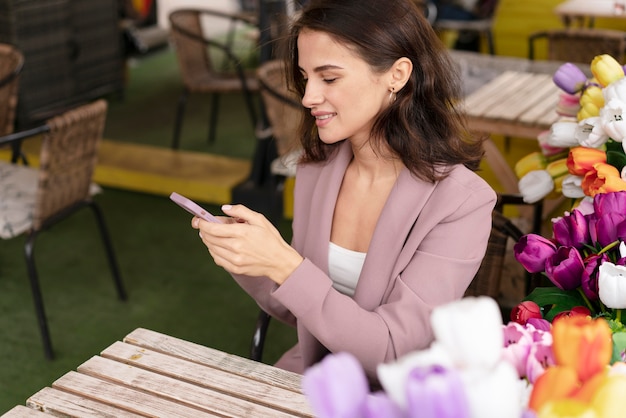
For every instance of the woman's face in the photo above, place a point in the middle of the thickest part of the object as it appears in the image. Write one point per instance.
(343, 93)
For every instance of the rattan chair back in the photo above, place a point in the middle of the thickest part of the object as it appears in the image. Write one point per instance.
(68, 156)
(199, 72)
(282, 107)
(579, 45)
(11, 63)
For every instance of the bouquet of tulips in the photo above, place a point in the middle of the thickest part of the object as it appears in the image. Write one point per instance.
(583, 153)
(585, 261)
(477, 367)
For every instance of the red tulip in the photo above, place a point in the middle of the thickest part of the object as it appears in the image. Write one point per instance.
(525, 311)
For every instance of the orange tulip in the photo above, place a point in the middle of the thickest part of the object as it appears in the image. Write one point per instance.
(582, 159)
(556, 383)
(582, 343)
(603, 178)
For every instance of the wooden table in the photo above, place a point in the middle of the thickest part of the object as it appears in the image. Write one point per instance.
(154, 375)
(584, 12)
(514, 104)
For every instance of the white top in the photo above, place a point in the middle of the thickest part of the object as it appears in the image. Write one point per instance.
(344, 268)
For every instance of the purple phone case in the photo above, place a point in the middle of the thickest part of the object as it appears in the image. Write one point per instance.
(193, 208)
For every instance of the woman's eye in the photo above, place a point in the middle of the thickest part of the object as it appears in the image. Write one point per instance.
(329, 80)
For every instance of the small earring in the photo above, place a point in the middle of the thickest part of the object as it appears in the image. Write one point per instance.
(392, 96)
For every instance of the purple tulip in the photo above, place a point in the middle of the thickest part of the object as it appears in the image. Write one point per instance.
(380, 405)
(565, 268)
(541, 325)
(532, 251)
(614, 202)
(571, 230)
(336, 387)
(589, 279)
(609, 227)
(569, 78)
(436, 392)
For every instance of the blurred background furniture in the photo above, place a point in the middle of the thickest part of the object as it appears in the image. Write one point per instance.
(283, 110)
(584, 12)
(469, 19)
(11, 64)
(32, 200)
(140, 28)
(72, 52)
(199, 70)
(579, 45)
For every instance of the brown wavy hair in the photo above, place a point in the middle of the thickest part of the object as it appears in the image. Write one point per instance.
(423, 126)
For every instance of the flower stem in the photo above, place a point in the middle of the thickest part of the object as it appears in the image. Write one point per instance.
(608, 247)
(618, 315)
(586, 299)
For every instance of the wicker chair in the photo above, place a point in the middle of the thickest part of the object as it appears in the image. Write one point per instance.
(32, 200)
(282, 107)
(579, 45)
(11, 64)
(199, 72)
(486, 282)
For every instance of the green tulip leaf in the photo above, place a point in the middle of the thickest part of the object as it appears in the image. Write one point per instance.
(616, 158)
(554, 300)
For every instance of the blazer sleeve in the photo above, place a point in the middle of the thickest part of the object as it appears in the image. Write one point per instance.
(445, 248)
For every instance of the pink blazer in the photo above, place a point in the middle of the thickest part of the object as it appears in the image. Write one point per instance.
(426, 248)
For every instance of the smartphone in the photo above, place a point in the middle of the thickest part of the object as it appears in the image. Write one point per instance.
(193, 208)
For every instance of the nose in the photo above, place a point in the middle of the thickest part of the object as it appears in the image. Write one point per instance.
(312, 96)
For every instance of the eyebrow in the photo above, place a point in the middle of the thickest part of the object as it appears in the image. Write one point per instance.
(324, 68)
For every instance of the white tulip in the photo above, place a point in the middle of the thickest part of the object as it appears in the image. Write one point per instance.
(471, 331)
(535, 185)
(563, 134)
(590, 133)
(495, 393)
(615, 90)
(612, 285)
(571, 187)
(613, 119)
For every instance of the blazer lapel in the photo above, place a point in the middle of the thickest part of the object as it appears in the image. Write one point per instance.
(396, 221)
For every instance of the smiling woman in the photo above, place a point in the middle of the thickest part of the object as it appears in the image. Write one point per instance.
(387, 176)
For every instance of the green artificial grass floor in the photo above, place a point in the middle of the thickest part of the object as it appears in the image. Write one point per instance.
(173, 285)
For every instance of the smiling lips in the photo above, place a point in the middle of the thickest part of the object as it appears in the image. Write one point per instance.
(322, 119)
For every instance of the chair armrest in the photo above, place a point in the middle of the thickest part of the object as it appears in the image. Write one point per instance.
(21, 135)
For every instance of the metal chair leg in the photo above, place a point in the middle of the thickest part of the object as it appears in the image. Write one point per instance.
(178, 123)
(215, 105)
(108, 247)
(29, 252)
(258, 339)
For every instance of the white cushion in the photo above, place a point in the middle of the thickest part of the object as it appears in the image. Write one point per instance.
(18, 191)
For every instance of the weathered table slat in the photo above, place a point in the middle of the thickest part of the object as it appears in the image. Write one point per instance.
(214, 358)
(65, 404)
(208, 377)
(175, 390)
(21, 411)
(155, 375)
(123, 397)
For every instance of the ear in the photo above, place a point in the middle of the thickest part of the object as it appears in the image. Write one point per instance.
(399, 73)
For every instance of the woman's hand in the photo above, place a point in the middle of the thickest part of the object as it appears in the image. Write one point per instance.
(247, 243)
